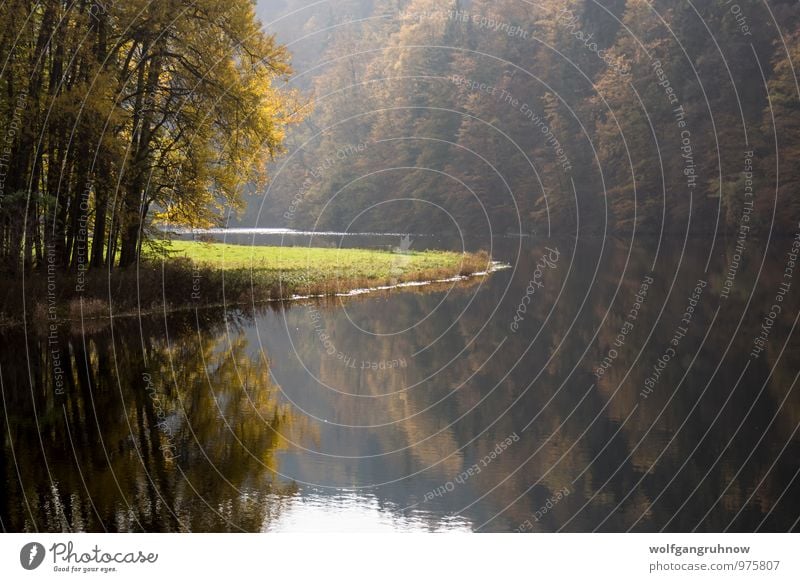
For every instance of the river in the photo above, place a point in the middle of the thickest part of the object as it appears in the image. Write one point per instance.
(595, 385)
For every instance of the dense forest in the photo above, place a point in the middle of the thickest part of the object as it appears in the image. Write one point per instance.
(470, 116)
(546, 116)
(117, 114)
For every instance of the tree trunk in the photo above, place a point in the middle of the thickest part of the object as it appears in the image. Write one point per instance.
(132, 212)
(99, 233)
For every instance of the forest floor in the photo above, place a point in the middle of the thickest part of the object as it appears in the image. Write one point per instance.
(188, 274)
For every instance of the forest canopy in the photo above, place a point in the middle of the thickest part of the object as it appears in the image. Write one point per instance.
(546, 116)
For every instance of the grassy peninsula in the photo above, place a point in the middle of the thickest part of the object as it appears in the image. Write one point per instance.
(188, 274)
(260, 273)
(288, 271)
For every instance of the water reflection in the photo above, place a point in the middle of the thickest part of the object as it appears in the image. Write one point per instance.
(152, 432)
(423, 410)
(354, 513)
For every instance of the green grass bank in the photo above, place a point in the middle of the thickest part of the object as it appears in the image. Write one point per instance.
(188, 274)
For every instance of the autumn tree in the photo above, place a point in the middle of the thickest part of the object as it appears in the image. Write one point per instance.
(122, 113)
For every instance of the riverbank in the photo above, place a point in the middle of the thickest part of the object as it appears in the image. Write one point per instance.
(190, 274)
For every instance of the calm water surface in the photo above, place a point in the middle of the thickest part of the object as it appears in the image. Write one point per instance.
(432, 409)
